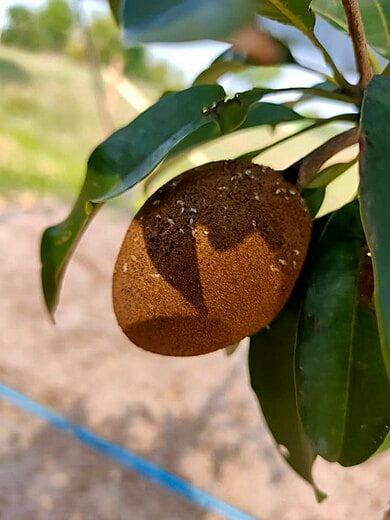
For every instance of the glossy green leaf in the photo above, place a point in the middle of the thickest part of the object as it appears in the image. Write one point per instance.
(343, 391)
(314, 197)
(184, 20)
(290, 12)
(259, 114)
(374, 194)
(376, 18)
(116, 165)
(269, 114)
(329, 174)
(271, 368)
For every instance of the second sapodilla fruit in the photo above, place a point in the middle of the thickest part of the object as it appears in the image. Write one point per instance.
(210, 258)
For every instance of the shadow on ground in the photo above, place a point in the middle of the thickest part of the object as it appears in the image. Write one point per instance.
(64, 479)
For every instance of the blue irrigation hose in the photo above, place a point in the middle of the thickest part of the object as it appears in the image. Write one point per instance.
(125, 457)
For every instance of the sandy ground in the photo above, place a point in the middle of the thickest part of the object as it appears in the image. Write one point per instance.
(195, 417)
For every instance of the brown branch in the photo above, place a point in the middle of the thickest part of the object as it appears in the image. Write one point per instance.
(356, 31)
(310, 165)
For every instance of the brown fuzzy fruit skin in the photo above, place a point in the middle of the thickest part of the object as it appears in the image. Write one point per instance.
(210, 258)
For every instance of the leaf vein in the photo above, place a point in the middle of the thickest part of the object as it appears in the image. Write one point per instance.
(383, 20)
(350, 360)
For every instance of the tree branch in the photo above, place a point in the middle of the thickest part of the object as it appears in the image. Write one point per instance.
(305, 169)
(356, 31)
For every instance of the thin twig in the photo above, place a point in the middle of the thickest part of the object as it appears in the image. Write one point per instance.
(356, 31)
(309, 166)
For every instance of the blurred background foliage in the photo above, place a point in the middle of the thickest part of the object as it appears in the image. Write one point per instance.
(49, 110)
(67, 82)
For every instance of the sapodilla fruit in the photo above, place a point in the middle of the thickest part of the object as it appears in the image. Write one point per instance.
(210, 258)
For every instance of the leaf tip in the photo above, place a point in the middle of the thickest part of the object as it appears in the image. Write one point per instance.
(320, 495)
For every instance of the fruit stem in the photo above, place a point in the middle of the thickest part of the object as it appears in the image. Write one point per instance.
(306, 168)
(358, 36)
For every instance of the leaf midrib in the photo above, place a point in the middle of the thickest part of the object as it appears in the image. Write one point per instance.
(350, 360)
(291, 16)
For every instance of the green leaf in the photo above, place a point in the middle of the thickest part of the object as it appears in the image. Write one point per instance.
(259, 114)
(184, 20)
(269, 114)
(120, 162)
(229, 61)
(131, 153)
(314, 199)
(376, 18)
(115, 6)
(231, 349)
(374, 194)
(290, 12)
(232, 60)
(271, 368)
(329, 174)
(252, 96)
(231, 115)
(384, 446)
(343, 390)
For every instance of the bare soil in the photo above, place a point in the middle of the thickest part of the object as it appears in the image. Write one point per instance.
(195, 417)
